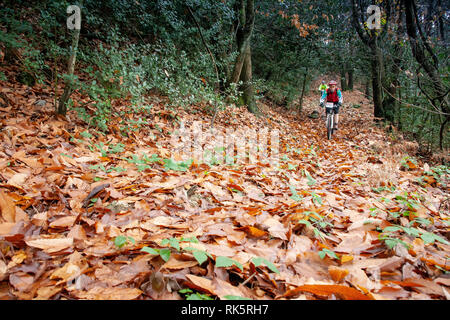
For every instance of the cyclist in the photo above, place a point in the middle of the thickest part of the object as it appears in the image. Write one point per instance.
(323, 87)
(332, 95)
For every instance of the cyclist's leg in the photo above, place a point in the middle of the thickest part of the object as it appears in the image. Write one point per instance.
(336, 117)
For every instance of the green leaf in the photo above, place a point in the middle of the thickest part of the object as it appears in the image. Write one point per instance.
(227, 262)
(257, 261)
(200, 256)
(198, 296)
(170, 164)
(295, 195)
(185, 290)
(392, 229)
(86, 134)
(150, 250)
(316, 198)
(322, 254)
(191, 239)
(305, 222)
(175, 243)
(423, 221)
(411, 231)
(311, 181)
(329, 253)
(440, 239)
(231, 297)
(120, 241)
(165, 254)
(427, 237)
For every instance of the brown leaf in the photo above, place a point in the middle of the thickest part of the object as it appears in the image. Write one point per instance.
(7, 208)
(63, 222)
(21, 281)
(5, 228)
(115, 293)
(45, 293)
(18, 180)
(51, 245)
(173, 263)
(202, 283)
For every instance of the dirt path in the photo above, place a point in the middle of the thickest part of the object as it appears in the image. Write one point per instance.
(316, 220)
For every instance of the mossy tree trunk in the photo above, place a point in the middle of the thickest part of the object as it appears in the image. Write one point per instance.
(243, 64)
(62, 105)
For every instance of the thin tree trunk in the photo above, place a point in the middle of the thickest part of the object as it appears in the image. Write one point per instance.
(62, 106)
(343, 81)
(350, 80)
(243, 33)
(367, 88)
(303, 91)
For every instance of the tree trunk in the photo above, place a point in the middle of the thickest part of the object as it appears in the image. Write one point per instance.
(243, 33)
(350, 80)
(367, 88)
(248, 97)
(441, 23)
(343, 81)
(243, 64)
(376, 80)
(303, 92)
(62, 106)
(429, 62)
(370, 39)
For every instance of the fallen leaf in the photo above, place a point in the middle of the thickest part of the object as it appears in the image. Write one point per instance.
(63, 222)
(337, 274)
(346, 293)
(115, 293)
(253, 232)
(7, 208)
(201, 283)
(173, 263)
(51, 245)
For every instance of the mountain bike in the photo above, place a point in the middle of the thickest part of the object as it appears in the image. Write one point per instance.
(330, 119)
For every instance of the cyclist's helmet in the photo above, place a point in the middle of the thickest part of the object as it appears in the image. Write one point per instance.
(332, 82)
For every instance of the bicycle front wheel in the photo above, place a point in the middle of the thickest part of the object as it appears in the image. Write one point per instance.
(329, 125)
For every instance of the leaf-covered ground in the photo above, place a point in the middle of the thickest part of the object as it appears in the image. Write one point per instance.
(91, 216)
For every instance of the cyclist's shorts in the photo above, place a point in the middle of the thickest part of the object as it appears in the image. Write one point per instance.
(335, 108)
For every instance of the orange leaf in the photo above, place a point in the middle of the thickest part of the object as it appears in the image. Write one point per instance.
(337, 274)
(402, 283)
(253, 232)
(432, 262)
(346, 258)
(346, 293)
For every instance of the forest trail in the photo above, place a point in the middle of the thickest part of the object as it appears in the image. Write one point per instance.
(313, 228)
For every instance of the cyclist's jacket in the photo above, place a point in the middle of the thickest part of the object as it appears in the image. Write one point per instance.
(334, 97)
